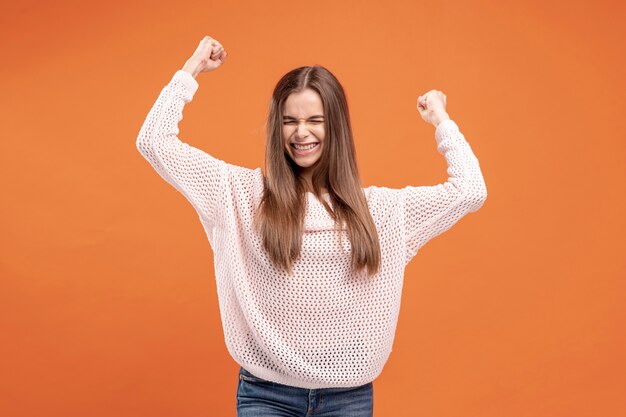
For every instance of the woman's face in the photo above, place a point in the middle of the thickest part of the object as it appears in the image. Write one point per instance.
(303, 128)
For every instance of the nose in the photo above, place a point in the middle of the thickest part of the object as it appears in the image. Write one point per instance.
(302, 131)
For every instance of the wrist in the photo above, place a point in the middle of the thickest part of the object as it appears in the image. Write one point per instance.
(440, 118)
(192, 67)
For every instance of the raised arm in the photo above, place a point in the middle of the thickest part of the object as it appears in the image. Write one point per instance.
(431, 210)
(193, 172)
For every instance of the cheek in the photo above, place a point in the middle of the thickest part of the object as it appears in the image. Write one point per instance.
(319, 132)
(286, 134)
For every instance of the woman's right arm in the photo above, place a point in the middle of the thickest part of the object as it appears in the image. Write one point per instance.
(193, 172)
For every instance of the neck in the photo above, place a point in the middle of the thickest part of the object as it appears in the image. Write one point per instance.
(306, 176)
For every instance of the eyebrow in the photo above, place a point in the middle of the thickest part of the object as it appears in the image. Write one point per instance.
(317, 116)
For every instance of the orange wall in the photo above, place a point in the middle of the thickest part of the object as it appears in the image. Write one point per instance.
(108, 305)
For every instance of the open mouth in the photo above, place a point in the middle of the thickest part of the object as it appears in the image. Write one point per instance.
(302, 150)
(306, 147)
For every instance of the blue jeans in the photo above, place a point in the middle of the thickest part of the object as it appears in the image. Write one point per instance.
(258, 397)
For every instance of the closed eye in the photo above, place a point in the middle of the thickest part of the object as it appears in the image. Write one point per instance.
(291, 122)
(288, 120)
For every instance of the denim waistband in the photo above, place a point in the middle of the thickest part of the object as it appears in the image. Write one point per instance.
(244, 371)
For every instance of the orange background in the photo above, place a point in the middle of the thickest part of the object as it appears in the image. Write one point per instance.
(107, 293)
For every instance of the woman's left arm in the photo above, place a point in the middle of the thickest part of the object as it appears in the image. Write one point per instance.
(431, 210)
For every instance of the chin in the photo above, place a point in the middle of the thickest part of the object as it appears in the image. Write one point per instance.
(307, 164)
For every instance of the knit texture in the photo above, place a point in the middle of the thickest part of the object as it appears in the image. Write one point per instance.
(325, 325)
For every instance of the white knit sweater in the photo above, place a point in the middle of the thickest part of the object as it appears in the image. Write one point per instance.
(325, 326)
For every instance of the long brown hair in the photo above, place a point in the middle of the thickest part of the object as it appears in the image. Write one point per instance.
(280, 216)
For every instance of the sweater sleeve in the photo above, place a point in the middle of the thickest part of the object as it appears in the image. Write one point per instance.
(431, 210)
(193, 172)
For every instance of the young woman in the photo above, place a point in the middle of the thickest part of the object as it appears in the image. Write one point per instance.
(309, 265)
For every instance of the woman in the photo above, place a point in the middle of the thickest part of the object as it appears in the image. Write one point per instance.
(309, 265)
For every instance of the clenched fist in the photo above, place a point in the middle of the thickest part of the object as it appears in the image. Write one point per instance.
(432, 107)
(209, 56)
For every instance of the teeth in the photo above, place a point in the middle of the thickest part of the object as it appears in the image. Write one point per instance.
(304, 148)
